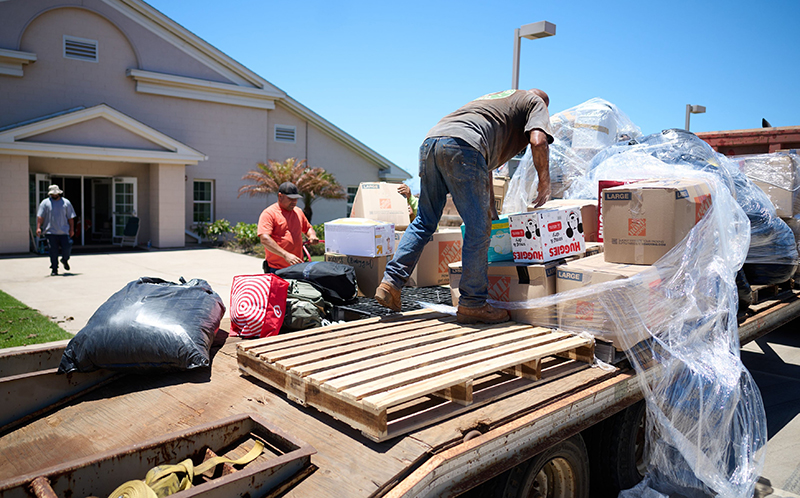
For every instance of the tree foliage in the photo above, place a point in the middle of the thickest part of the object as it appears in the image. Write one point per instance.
(312, 183)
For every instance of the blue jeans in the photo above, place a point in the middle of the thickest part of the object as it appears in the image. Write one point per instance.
(450, 165)
(59, 244)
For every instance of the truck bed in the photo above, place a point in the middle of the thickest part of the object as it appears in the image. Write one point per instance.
(433, 460)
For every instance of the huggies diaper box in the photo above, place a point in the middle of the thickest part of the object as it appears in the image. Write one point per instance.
(546, 234)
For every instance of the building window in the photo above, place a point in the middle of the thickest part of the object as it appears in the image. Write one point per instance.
(81, 49)
(351, 196)
(285, 133)
(203, 210)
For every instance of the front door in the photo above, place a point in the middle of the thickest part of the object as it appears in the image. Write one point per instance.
(124, 203)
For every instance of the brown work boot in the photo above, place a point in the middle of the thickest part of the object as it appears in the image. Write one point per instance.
(485, 314)
(388, 295)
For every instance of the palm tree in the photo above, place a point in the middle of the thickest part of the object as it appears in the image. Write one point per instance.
(313, 183)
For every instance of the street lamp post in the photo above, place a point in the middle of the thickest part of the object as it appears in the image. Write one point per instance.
(541, 29)
(693, 109)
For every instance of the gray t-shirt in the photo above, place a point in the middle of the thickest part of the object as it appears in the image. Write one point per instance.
(55, 216)
(497, 124)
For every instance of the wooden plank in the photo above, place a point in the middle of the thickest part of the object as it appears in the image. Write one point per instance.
(411, 368)
(411, 391)
(527, 370)
(353, 335)
(391, 356)
(474, 362)
(309, 335)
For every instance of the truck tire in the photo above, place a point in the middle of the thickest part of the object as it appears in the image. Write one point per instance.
(618, 456)
(560, 472)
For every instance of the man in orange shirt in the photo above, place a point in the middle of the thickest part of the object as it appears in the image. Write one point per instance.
(281, 227)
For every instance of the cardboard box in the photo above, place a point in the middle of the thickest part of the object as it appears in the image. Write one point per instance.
(450, 216)
(369, 271)
(359, 237)
(775, 174)
(545, 235)
(587, 313)
(500, 187)
(514, 282)
(432, 268)
(382, 202)
(602, 185)
(500, 243)
(588, 209)
(644, 220)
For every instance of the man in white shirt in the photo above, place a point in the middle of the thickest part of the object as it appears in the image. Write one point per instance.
(57, 216)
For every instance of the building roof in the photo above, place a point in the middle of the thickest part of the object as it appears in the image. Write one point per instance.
(252, 88)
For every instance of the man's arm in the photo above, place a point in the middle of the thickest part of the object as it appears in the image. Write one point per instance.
(273, 247)
(72, 227)
(39, 221)
(540, 152)
(312, 236)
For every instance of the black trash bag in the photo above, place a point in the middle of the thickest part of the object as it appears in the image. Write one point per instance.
(150, 325)
(336, 282)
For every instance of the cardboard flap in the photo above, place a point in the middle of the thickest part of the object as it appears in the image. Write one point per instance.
(381, 201)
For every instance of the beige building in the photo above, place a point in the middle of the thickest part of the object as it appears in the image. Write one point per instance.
(131, 114)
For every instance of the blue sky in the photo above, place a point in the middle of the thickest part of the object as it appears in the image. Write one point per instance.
(386, 72)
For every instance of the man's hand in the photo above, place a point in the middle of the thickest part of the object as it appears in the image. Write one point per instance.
(313, 240)
(404, 190)
(38, 232)
(292, 259)
(543, 193)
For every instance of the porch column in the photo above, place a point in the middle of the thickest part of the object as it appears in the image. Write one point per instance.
(167, 205)
(14, 216)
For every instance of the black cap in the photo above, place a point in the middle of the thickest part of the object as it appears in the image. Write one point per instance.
(289, 189)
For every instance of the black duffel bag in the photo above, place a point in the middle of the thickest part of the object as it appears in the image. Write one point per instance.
(336, 282)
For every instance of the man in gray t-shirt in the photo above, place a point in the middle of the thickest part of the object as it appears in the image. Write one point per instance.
(57, 216)
(457, 157)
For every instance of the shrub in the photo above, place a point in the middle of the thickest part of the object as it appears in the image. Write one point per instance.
(318, 249)
(245, 235)
(213, 232)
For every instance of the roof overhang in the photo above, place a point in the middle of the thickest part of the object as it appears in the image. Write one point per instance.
(11, 61)
(166, 149)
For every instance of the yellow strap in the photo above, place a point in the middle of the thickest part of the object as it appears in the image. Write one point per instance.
(163, 480)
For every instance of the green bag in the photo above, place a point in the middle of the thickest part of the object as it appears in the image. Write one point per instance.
(305, 307)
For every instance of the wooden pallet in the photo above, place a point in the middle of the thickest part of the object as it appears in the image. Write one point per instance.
(387, 376)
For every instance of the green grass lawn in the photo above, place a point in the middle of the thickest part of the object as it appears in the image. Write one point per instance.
(21, 325)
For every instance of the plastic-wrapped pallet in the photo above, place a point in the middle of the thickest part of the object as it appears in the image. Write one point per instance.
(676, 321)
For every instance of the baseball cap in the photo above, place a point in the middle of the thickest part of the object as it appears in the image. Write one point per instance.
(289, 189)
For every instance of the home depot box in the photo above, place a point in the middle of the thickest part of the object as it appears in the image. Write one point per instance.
(602, 185)
(381, 201)
(359, 237)
(369, 271)
(500, 243)
(588, 209)
(644, 220)
(589, 313)
(432, 268)
(544, 235)
(514, 282)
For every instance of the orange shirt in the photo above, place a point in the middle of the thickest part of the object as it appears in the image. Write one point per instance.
(286, 228)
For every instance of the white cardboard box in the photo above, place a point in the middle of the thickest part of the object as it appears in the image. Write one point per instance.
(359, 237)
(546, 234)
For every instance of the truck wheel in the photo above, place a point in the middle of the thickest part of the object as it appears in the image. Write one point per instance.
(560, 472)
(621, 464)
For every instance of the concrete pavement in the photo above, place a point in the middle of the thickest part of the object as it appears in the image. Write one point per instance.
(72, 297)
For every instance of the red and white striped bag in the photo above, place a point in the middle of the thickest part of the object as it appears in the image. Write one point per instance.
(258, 305)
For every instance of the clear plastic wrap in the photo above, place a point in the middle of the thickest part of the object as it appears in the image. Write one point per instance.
(776, 174)
(677, 322)
(579, 133)
(772, 256)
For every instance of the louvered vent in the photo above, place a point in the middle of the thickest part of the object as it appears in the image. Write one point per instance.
(284, 133)
(80, 48)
